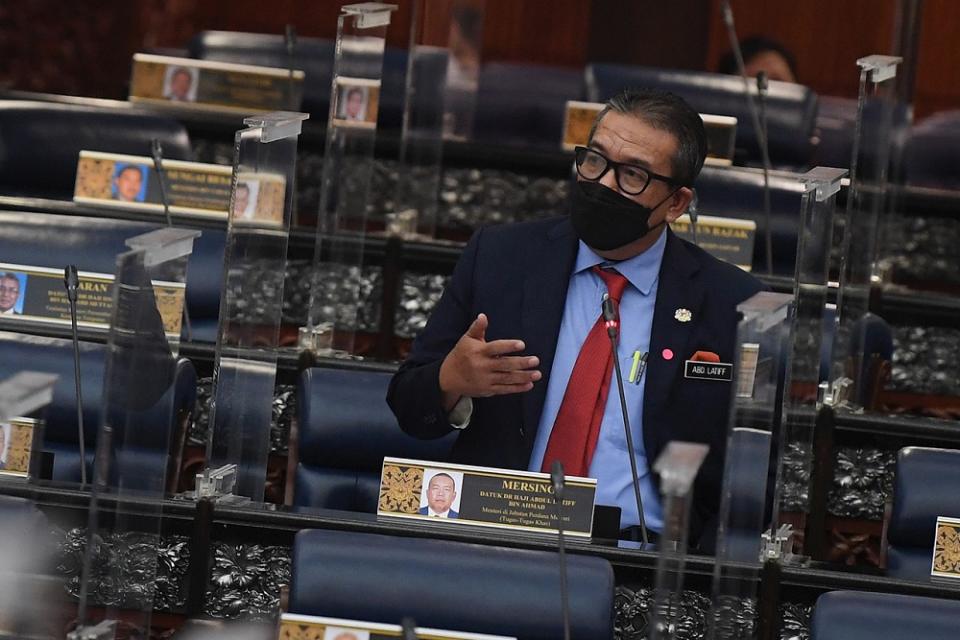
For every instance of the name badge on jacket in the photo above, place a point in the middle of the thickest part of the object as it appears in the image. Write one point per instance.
(699, 370)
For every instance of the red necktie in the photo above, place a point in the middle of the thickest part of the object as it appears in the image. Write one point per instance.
(577, 427)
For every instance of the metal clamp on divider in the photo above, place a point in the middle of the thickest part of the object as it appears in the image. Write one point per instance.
(218, 485)
(779, 546)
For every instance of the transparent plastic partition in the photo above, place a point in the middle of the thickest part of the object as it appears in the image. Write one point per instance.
(879, 117)
(762, 341)
(802, 371)
(134, 442)
(342, 222)
(443, 75)
(677, 466)
(255, 261)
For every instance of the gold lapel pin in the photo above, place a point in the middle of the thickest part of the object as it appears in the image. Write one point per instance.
(683, 315)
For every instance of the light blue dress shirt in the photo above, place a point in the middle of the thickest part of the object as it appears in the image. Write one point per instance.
(610, 464)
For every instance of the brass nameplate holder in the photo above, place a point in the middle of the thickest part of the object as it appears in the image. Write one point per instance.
(42, 298)
(480, 496)
(729, 239)
(946, 549)
(297, 627)
(207, 85)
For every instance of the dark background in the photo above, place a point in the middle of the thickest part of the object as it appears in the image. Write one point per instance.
(85, 48)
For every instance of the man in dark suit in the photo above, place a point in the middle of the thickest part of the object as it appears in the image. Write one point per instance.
(441, 494)
(516, 355)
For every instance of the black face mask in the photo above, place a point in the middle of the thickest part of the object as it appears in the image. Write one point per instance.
(606, 220)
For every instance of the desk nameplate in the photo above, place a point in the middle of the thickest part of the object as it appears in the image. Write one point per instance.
(946, 549)
(42, 298)
(297, 627)
(208, 85)
(19, 439)
(482, 496)
(728, 239)
(192, 188)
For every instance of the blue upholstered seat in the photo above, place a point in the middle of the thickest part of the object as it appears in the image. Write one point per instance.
(855, 615)
(791, 108)
(41, 142)
(49, 240)
(141, 458)
(345, 430)
(927, 485)
(449, 585)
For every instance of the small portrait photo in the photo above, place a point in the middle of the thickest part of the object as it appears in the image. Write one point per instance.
(352, 102)
(180, 84)
(129, 182)
(13, 289)
(339, 633)
(245, 199)
(440, 496)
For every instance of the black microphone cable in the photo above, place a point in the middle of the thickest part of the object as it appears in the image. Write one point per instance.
(612, 320)
(556, 478)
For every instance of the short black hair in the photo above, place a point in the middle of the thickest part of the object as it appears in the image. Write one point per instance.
(130, 167)
(4, 275)
(752, 47)
(181, 71)
(668, 112)
(444, 475)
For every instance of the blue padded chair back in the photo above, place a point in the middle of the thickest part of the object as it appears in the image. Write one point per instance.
(40, 142)
(791, 108)
(51, 355)
(931, 155)
(48, 240)
(927, 485)
(747, 471)
(448, 585)
(524, 104)
(735, 193)
(856, 615)
(345, 430)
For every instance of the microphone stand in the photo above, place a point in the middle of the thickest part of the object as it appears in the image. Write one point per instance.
(71, 280)
(556, 477)
(409, 628)
(761, 130)
(612, 318)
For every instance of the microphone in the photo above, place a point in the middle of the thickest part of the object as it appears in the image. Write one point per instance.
(290, 41)
(71, 280)
(556, 478)
(761, 130)
(611, 318)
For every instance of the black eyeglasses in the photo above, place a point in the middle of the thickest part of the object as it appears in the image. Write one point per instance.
(632, 179)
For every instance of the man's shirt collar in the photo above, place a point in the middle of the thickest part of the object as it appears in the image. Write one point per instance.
(640, 270)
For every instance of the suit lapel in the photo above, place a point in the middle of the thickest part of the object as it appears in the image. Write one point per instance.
(677, 289)
(546, 278)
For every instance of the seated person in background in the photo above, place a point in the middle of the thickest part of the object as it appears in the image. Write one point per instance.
(516, 356)
(762, 54)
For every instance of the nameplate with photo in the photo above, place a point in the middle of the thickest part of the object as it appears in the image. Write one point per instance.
(729, 239)
(453, 494)
(357, 102)
(36, 295)
(298, 627)
(946, 549)
(721, 130)
(18, 442)
(214, 86)
(192, 188)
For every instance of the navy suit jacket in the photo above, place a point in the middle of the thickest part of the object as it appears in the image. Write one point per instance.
(518, 275)
(425, 511)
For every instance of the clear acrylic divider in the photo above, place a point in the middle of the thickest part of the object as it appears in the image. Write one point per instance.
(809, 328)
(255, 261)
(441, 88)
(345, 183)
(134, 441)
(762, 341)
(677, 466)
(880, 114)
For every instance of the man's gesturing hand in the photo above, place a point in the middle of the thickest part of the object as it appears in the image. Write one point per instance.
(477, 368)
